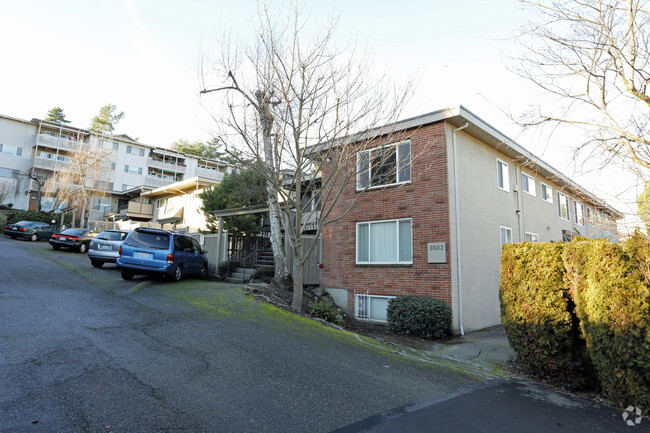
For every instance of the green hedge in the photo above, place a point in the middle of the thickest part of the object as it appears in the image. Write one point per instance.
(538, 317)
(419, 315)
(609, 283)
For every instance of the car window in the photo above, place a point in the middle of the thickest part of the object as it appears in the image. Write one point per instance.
(159, 241)
(197, 247)
(74, 232)
(112, 236)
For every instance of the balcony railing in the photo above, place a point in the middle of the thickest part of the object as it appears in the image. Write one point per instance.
(57, 142)
(50, 164)
(156, 181)
(165, 165)
(212, 174)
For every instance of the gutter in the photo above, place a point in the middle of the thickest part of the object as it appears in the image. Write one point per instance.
(457, 213)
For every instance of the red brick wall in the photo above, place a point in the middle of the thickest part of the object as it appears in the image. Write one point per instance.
(425, 200)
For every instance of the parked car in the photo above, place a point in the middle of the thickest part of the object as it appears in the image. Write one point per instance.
(74, 238)
(32, 230)
(151, 251)
(105, 247)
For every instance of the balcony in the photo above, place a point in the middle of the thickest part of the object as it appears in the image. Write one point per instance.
(56, 142)
(50, 164)
(134, 209)
(156, 181)
(211, 174)
(168, 166)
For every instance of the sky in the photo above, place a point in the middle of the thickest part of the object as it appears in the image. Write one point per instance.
(142, 56)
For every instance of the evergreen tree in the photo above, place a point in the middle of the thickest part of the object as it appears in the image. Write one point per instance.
(643, 207)
(56, 115)
(104, 122)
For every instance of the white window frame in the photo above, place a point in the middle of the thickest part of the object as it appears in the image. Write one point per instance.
(579, 213)
(134, 150)
(549, 197)
(399, 168)
(504, 177)
(534, 237)
(559, 206)
(369, 224)
(127, 169)
(362, 306)
(507, 230)
(532, 188)
(5, 149)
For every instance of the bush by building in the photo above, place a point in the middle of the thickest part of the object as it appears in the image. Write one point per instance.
(538, 317)
(418, 315)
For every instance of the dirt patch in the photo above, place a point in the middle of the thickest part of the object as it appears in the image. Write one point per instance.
(282, 298)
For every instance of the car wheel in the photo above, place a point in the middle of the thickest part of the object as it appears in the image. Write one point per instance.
(127, 275)
(96, 263)
(82, 248)
(56, 247)
(33, 237)
(204, 271)
(178, 273)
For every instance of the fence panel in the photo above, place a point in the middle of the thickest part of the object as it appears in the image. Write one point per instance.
(311, 270)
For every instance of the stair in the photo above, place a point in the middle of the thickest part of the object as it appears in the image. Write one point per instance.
(265, 258)
(240, 275)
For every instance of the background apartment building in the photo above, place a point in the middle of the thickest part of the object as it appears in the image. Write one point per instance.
(39, 148)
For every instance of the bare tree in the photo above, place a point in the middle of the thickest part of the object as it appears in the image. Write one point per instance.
(6, 190)
(592, 57)
(286, 96)
(83, 176)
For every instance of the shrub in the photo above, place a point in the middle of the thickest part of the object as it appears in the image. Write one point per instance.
(538, 317)
(419, 315)
(609, 283)
(223, 268)
(324, 309)
(3, 221)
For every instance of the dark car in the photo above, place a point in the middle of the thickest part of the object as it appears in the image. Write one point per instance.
(105, 247)
(74, 238)
(32, 230)
(160, 252)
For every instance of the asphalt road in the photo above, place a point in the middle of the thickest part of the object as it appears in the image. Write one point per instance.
(83, 351)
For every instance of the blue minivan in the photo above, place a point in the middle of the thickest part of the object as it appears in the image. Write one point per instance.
(151, 251)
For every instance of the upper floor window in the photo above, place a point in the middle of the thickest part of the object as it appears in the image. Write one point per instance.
(11, 150)
(528, 184)
(100, 203)
(547, 193)
(385, 165)
(503, 175)
(116, 145)
(579, 213)
(563, 206)
(132, 170)
(9, 173)
(134, 150)
(385, 242)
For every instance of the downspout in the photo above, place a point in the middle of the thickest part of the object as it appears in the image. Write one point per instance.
(457, 213)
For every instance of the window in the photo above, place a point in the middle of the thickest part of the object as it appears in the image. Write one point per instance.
(384, 242)
(161, 203)
(528, 184)
(11, 150)
(115, 145)
(8, 172)
(46, 155)
(132, 170)
(62, 158)
(371, 307)
(579, 213)
(532, 237)
(112, 166)
(100, 203)
(563, 206)
(134, 150)
(547, 193)
(127, 187)
(386, 165)
(503, 176)
(506, 235)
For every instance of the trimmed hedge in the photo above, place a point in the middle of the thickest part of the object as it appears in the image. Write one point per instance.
(538, 317)
(610, 286)
(419, 315)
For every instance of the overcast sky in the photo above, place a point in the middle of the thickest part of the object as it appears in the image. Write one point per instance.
(141, 55)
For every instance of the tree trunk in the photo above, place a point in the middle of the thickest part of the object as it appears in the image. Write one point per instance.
(266, 120)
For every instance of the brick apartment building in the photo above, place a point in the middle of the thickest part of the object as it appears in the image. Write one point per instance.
(429, 223)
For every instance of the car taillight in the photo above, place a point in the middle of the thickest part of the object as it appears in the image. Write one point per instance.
(72, 238)
(119, 252)
(7, 226)
(22, 229)
(170, 259)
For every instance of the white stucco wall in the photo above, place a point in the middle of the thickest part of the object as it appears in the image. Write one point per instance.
(19, 134)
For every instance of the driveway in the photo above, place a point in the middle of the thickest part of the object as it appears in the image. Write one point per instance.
(81, 350)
